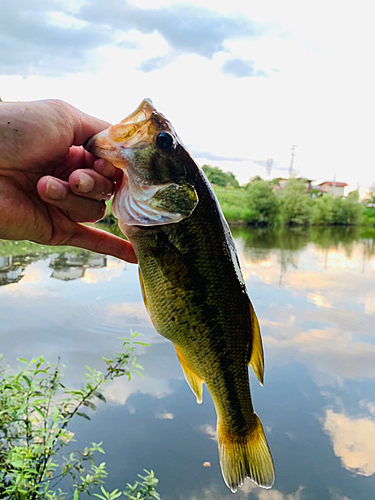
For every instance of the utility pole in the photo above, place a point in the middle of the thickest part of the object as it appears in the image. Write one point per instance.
(292, 161)
(269, 167)
(334, 185)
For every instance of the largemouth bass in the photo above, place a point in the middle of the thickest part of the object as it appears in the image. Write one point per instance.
(191, 280)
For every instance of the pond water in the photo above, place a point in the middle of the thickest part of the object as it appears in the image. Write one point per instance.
(314, 294)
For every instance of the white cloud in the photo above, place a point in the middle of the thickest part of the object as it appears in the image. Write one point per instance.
(320, 98)
(353, 441)
(209, 430)
(246, 489)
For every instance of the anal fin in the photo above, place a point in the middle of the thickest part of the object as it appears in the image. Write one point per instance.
(143, 289)
(194, 381)
(256, 357)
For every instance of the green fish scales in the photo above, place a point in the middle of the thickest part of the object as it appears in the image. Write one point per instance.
(191, 281)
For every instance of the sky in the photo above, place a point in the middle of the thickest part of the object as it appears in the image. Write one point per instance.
(240, 81)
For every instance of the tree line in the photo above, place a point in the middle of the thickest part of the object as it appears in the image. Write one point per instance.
(259, 203)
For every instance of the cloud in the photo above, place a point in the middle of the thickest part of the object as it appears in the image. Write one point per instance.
(332, 353)
(209, 430)
(186, 28)
(51, 39)
(353, 441)
(120, 390)
(157, 62)
(241, 68)
(211, 156)
(33, 42)
(246, 489)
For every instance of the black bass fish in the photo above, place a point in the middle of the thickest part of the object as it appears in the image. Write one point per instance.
(191, 280)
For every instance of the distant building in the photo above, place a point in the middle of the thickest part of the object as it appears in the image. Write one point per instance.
(334, 188)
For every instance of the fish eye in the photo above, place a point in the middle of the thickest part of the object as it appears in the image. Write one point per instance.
(164, 140)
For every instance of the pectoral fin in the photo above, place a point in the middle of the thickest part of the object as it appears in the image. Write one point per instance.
(192, 378)
(256, 357)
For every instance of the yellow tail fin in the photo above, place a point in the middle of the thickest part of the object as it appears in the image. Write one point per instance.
(248, 456)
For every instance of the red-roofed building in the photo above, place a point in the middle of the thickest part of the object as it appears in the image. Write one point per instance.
(335, 188)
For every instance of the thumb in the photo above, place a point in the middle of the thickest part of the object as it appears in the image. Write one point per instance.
(84, 126)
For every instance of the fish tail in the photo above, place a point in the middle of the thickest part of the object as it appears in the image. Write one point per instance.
(245, 456)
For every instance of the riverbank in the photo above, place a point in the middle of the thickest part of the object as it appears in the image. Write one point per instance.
(258, 204)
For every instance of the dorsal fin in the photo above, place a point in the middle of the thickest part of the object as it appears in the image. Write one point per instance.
(194, 380)
(256, 357)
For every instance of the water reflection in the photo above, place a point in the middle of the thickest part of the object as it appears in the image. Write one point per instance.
(70, 266)
(353, 440)
(314, 293)
(9, 272)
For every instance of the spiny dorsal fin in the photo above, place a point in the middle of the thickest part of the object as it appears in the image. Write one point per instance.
(256, 357)
(194, 381)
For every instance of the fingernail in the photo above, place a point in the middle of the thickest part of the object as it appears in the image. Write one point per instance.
(85, 183)
(55, 190)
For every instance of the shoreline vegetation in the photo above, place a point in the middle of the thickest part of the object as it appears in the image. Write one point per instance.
(264, 203)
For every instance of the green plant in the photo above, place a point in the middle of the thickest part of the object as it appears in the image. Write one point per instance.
(35, 411)
(368, 216)
(217, 176)
(323, 209)
(263, 202)
(295, 204)
(346, 211)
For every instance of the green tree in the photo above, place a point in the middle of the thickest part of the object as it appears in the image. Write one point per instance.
(255, 178)
(232, 181)
(346, 211)
(323, 209)
(353, 195)
(262, 201)
(215, 175)
(276, 181)
(295, 204)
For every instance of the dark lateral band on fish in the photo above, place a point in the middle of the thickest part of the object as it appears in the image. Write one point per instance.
(191, 280)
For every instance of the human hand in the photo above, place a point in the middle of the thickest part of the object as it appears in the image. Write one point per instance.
(49, 184)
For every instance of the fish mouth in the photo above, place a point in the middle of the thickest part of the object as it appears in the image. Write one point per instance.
(134, 132)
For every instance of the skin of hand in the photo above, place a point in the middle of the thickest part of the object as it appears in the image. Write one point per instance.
(49, 184)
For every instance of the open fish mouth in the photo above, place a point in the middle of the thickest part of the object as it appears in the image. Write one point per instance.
(147, 196)
(134, 132)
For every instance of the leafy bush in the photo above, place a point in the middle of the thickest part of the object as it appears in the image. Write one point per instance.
(233, 203)
(346, 211)
(217, 176)
(323, 209)
(295, 205)
(263, 202)
(35, 412)
(368, 215)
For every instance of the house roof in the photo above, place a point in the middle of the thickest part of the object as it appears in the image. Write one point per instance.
(330, 183)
